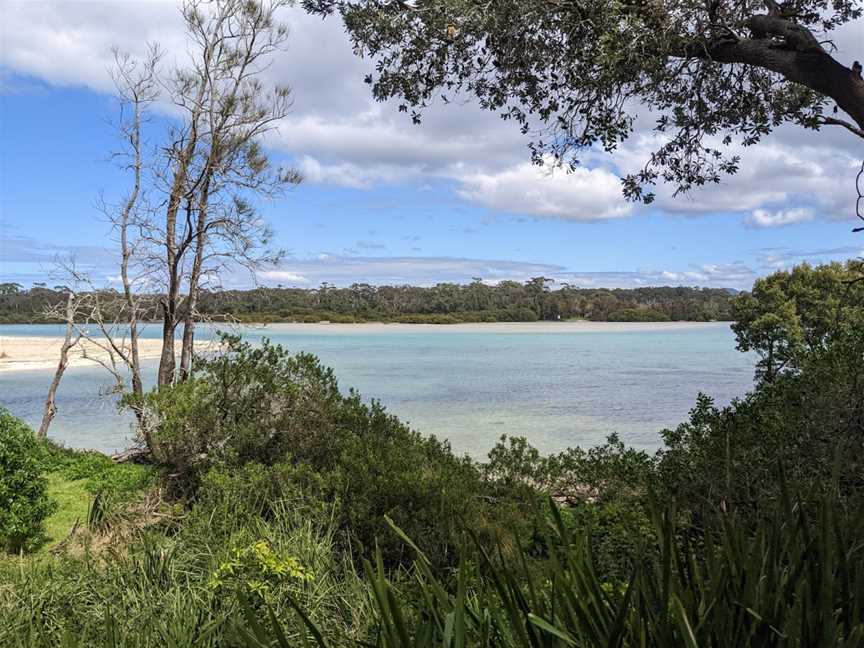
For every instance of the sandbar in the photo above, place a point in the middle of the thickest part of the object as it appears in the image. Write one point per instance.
(34, 352)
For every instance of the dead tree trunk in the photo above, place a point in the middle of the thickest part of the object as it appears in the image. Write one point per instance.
(69, 341)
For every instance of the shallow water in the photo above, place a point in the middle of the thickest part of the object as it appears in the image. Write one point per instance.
(559, 389)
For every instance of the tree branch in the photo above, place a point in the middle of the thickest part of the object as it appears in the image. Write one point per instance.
(803, 62)
(832, 121)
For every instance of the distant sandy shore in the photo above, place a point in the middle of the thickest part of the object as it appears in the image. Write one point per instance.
(581, 326)
(34, 352)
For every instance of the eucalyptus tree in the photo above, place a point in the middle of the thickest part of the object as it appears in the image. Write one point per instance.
(709, 72)
(213, 167)
(190, 211)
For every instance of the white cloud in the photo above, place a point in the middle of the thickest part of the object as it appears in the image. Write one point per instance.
(783, 258)
(347, 269)
(788, 171)
(70, 43)
(340, 175)
(779, 218)
(729, 275)
(282, 277)
(340, 136)
(583, 195)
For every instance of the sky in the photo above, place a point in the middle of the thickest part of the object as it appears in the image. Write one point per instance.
(385, 201)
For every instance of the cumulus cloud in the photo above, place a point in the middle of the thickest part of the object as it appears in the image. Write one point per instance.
(339, 136)
(282, 277)
(340, 175)
(732, 275)
(778, 218)
(70, 43)
(584, 194)
(788, 171)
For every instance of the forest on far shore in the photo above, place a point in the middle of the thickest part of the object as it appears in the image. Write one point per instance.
(444, 303)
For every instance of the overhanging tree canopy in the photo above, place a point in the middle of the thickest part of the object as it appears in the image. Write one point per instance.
(712, 72)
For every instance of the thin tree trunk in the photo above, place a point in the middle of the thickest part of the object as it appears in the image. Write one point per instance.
(194, 285)
(68, 343)
(167, 360)
(126, 255)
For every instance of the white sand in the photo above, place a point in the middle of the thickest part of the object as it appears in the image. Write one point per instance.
(28, 353)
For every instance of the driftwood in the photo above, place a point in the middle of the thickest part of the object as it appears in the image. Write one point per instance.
(133, 456)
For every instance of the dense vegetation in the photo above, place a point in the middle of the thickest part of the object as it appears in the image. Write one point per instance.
(508, 301)
(280, 510)
(25, 504)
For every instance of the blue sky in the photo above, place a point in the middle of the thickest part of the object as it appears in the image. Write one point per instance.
(385, 201)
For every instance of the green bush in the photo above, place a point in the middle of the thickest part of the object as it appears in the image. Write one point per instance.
(260, 425)
(99, 473)
(24, 503)
(177, 590)
(808, 423)
(638, 315)
(603, 491)
(245, 405)
(385, 468)
(245, 493)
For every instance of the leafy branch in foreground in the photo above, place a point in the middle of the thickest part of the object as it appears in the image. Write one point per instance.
(574, 74)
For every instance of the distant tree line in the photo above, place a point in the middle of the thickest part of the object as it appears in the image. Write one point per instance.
(445, 303)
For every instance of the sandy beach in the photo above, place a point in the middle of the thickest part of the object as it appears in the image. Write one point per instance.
(24, 353)
(32, 353)
(581, 326)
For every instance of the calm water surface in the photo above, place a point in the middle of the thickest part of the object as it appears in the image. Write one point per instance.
(559, 389)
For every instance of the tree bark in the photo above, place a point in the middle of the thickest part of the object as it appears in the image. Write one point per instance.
(799, 58)
(167, 360)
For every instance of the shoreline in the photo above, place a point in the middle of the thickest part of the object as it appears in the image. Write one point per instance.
(34, 352)
(574, 326)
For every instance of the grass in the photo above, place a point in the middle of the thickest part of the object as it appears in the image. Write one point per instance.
(73, 501)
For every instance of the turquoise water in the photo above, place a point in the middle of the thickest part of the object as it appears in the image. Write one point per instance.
(559, 389)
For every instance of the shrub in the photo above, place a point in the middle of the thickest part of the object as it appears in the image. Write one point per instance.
(604, 490)
(258, 425)
(245, 405)
(99, 473)
(24, 503)
(258, 491)
(385, 468)
(638, 315)
(808, 423)
(257, 568)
